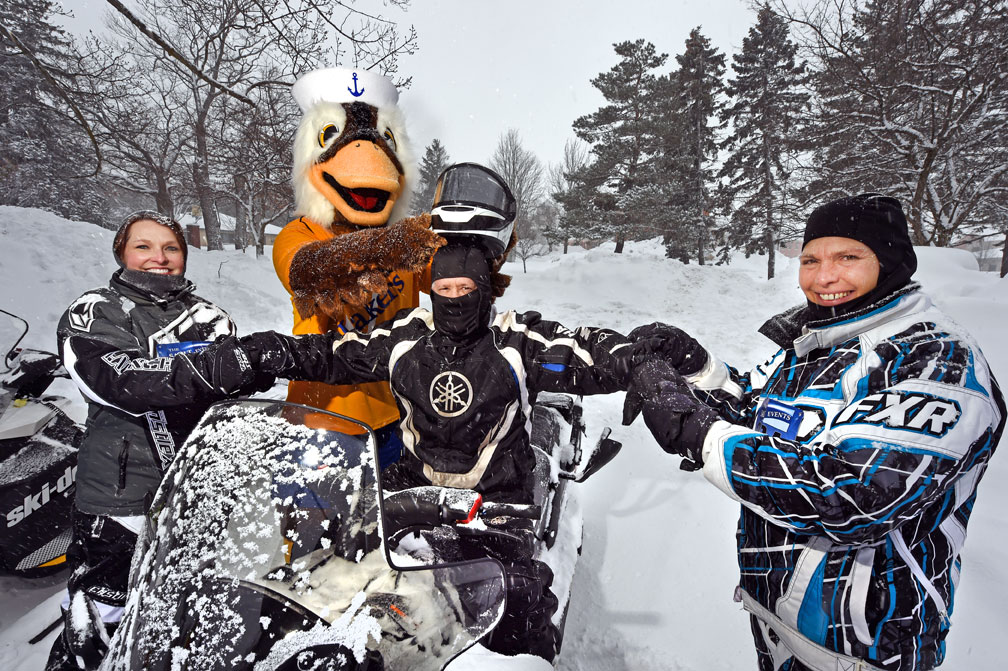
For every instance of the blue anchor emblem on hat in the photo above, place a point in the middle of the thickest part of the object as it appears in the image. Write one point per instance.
(354, 92)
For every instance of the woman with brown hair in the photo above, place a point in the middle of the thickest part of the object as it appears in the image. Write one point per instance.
(132, 348)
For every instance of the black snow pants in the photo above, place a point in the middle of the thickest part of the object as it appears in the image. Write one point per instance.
(99, 557)
(527, 624)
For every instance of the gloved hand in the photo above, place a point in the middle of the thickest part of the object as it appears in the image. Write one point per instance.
(225, 364)
(329, 275)
(267, 352)
(673, 344)
(260, 382)
(676, 419)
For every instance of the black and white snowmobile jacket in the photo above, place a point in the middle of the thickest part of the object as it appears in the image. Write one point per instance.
(855, 452)
(465, 411)
(119, 345)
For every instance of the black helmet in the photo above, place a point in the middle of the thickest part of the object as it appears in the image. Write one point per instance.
(475, 202)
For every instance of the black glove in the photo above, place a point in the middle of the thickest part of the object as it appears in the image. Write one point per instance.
(225, 364)
(260, 382)
(673, 344)
(676, 419)
(267, 351)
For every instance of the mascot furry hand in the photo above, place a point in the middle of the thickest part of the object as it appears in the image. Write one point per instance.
(352, 172)
(328, 275)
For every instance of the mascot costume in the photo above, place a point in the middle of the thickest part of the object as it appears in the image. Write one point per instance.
(345, 263)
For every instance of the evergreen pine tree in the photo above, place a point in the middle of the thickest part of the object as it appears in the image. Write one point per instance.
(434, 161)
(569, 194)
(673, 171)
(622, 139)
(585, 207)
(44, 154)
(695, 89)
(765, 106)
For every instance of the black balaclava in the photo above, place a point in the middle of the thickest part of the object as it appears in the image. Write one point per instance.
(878, 222)
(464, 319)
(159, 285)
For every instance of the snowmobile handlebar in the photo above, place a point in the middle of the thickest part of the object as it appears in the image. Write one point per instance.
(32, 372)
(434, 506)
(430, 506)
(494, 509)
(604, 451)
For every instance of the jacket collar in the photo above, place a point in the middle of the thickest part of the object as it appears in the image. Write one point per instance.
(794, 329)
(150, 288)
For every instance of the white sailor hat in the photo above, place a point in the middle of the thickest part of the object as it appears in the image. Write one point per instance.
(343, 85)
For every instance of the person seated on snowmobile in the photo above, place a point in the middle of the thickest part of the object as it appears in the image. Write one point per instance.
(465, 378)
(118, 344)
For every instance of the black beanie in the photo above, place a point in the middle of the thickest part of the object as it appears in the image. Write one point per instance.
(874, 220)
(460, 260)
(878, 222)
(464, 319)
(119, 242)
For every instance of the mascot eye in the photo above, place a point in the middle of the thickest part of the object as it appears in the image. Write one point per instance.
(391, 139)
(328, 132)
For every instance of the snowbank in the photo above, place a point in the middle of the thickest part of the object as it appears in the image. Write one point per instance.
(653, 589)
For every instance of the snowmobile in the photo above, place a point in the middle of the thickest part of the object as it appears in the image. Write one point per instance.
(38, 462)
(271, 545)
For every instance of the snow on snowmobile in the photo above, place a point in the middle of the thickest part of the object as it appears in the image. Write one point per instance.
(38, 462)
(272, 546)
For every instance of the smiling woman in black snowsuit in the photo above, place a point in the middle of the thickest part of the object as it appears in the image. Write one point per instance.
(119, 344)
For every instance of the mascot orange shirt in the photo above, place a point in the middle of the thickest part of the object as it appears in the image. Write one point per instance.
(350, 260)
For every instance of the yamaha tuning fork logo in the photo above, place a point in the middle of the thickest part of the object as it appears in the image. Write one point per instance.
(450, 394)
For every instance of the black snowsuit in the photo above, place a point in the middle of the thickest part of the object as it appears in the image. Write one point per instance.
(140, 406)
(464, 409)
(118, 344)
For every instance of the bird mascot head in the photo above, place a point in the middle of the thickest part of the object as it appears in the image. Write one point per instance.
(352, 159)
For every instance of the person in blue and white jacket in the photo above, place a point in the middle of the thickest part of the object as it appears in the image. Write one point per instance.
(855, 451)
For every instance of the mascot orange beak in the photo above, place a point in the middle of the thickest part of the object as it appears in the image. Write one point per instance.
(359, 172)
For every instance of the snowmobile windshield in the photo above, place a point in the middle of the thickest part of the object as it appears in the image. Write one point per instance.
(12, 330)
(267, 552)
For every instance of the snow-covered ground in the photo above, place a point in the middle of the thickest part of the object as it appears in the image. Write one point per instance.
(654, 585)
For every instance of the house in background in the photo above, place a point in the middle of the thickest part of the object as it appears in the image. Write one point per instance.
(192, 224)
(988, 251)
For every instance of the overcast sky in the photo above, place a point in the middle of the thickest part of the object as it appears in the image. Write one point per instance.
(484, 66)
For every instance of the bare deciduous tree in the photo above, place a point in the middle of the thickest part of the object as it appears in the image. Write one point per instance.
(531, 239)
(258, 150)
(560, 182)
(522, 171)
(912, 100)
(139, 120)
(212, 51)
